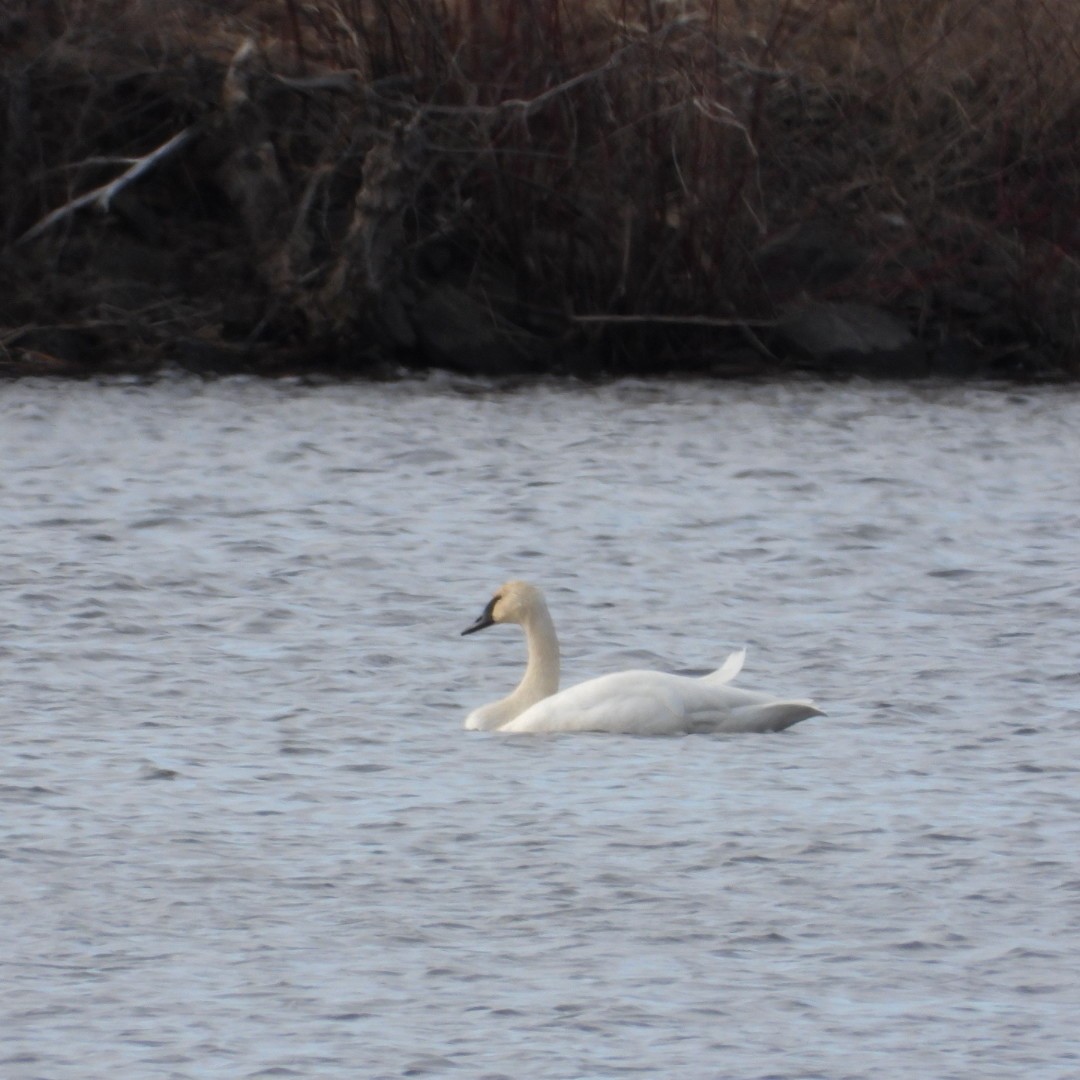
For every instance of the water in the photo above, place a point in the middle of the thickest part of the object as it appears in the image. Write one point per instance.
(244, 835)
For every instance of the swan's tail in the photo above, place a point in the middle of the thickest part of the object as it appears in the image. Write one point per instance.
(727, 670)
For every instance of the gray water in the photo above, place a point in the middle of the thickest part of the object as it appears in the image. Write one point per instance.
(244, 835)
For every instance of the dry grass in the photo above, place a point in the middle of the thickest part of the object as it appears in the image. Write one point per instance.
(627, 157)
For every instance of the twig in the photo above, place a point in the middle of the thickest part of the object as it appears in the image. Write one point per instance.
(102, 196)
(528, 106)
(532, 105)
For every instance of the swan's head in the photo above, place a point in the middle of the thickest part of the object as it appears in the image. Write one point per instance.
(513, 602)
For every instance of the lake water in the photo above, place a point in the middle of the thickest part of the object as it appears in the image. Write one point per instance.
(244, 835)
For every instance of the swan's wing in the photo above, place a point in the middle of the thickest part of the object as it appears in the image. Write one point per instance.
(727, 670)
(654, 703)
(628, 702)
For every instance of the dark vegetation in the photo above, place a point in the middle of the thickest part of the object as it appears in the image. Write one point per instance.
(728, 187)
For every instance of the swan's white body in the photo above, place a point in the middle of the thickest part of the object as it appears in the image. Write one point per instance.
(628, 702)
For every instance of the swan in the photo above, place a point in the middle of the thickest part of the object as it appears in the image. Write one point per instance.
(628, 702)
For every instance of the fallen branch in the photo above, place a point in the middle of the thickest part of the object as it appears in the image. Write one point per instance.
(675, 320)
(102, 196)
(742, 325)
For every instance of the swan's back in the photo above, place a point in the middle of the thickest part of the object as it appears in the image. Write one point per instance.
(656, 703)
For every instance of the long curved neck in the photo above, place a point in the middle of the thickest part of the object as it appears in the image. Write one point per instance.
(541, 678)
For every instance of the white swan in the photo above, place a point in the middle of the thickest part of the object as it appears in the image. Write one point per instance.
(631, 702)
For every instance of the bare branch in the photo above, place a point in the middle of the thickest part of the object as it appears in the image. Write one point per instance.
(528, 106)
(102, 196)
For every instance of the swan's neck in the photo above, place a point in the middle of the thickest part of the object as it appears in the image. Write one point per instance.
(541, 678)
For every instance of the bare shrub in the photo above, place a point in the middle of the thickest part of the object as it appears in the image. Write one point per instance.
(607, 174)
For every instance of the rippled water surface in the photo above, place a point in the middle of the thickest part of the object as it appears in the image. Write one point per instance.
(244, 835)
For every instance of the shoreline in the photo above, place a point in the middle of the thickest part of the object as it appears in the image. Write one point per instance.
(259, 190)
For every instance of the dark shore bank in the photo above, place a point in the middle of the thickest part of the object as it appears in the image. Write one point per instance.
(722, 188)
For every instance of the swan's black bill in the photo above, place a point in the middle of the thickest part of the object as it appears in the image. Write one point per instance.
(485, 619)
